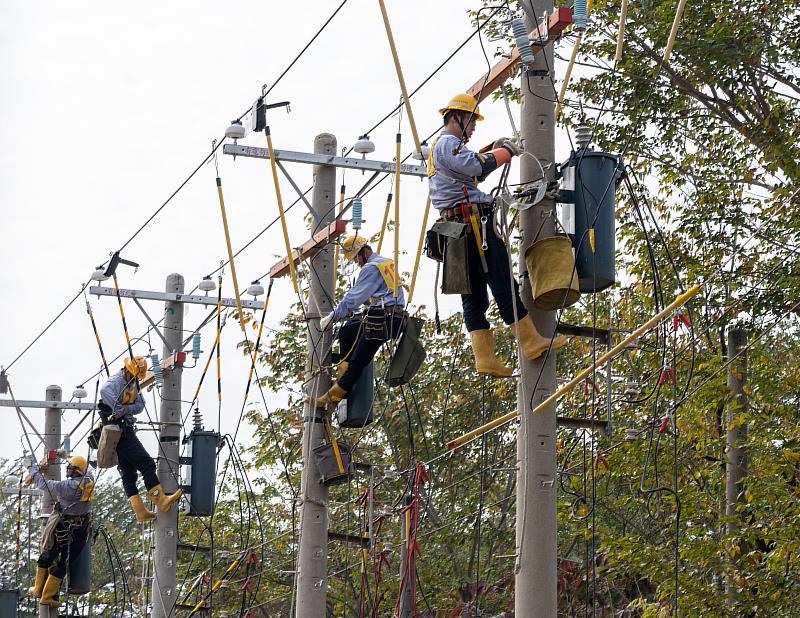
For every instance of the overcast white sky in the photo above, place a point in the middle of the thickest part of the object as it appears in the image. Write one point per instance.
(105, 109)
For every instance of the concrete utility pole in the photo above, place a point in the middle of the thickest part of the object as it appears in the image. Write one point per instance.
(52, 442)
(312, 561)
(535, 584)
(735, 440)
(165, 529)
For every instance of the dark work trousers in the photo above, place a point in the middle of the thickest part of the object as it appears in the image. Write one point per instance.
(132, 457)
(358, 351)
(70, 537)
(498, 279)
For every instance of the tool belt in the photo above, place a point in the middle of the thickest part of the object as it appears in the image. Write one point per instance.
(77, 520)
(375, 324)
(456, 213)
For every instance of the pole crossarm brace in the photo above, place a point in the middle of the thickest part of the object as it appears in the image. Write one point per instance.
(570, 422)
(311, 247)
(292, 156)
(192, 299)
(557, 22)
(64, 405)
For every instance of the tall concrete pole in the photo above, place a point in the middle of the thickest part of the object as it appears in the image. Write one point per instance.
(52, 442)
(735, 440)
(535, 571)
(312, 585)
(165, 529)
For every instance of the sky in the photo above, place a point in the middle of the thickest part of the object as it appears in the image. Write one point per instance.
(106, 108)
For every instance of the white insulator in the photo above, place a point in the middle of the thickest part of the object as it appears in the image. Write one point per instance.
(235, 131)
(11, 480)
(99, 274)
(207, 284)
(255, 288)
(79, 392)
(583, 135)
(364, 145)
(631, 435)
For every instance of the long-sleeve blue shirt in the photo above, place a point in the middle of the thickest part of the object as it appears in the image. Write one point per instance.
(73, 494)
(452, 171)
(370, 284)
(122, 395)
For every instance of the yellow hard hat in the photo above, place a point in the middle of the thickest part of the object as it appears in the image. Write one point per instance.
(136, 366)
(352, 245)
(463, 102)
(78, 462)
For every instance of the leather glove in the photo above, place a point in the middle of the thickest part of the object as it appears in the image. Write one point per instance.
(325, 322)
(509, 144)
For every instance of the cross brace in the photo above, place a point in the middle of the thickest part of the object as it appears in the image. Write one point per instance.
(322, 159)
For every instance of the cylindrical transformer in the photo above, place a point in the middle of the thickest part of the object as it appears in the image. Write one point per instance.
(9, 598)
(589, 180)
(80, 571)
(200, 477)
(356, 410)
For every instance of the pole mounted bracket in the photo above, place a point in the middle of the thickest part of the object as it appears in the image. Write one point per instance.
(116, 260)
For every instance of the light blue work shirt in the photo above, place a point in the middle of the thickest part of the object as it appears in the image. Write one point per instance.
(370, 284)
(122, 395)
(68, 492)
(453, 171)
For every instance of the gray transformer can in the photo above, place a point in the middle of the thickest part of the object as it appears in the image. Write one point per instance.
(588, 186)
(200, 473)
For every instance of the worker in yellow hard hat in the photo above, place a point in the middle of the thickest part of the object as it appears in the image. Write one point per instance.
(67, 527)
(120, 400)
(362, 334)
(478, 258)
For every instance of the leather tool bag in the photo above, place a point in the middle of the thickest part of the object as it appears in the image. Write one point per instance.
(455, 278)
(436, 237)
(107, 449)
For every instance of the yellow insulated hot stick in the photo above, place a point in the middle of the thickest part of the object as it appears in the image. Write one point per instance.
(230, 252)
(400, 78)
(385, 221)
(679, 300)
(396, 216)
(419, 250)
(282, 214)
(336, 249)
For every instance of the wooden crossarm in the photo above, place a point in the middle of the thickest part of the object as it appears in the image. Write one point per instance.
(500, 72)
(311, 247)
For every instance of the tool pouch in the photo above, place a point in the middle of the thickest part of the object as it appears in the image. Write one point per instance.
(455, 278)
(107, 449)
(49, 534)
(434, 245)
(375, 327)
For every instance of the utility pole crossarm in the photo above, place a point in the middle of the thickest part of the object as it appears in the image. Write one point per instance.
(317, 159)
(557, 22)
(62, 405)
(192, 299)
(311, 247)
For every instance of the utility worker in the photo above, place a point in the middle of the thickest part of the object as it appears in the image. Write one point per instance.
(120, 400)
(68, 527)
(361, 337)
(454, 172)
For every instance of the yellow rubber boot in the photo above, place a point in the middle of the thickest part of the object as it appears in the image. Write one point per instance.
(142, 513)
(38, 583)
(532, 343)
(485, 360)
(50, 591)
(334, 395)
(162, 499)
